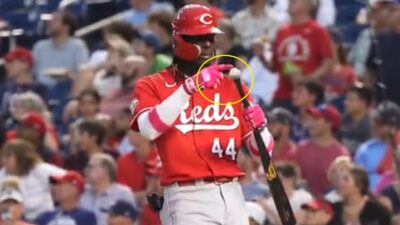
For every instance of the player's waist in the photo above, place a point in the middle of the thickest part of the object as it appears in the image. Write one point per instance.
(203, 181)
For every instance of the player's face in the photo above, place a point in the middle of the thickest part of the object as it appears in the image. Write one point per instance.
(206, 44)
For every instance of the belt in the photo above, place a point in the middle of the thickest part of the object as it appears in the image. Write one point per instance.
(216, 180)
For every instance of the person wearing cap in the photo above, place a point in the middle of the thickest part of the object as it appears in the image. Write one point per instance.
(317, 212)
(67, 192)
(11, 202)
(322, 147)
(305, 95)
(280, 123)
(103, 190)
(375, 154)
(33, 128)
(20, 78)
(356, 125)
(256, 213)
(148, 46)
(122, 213)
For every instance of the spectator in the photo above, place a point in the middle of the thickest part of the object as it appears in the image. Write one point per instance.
(342, 76)
(379, 22)
(299, 55)
(357, 205)
(226, 44)
(317, 212)
(29, 102)
(297, 196)
(256, 20)
(20, 78)
(121, 140)
(280, 122)
(148, 46)
(103, 191)
(388, 49)
(374, 155)
(322, 148)
(61, 55)
(109, 78)
(256, 213)
(20, 159)
(251, 186)
(136, 161)
(324, 12)
(356, 126)
(141, 9)
(114, 102)
(11, 202)
(339, 164)
(160, 23)
(122, 212)
(90, 138)
(67, 191)
(115, 30)
(33, 128)
(305, 95)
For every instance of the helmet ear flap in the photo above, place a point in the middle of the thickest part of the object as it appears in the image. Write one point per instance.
(185, 50)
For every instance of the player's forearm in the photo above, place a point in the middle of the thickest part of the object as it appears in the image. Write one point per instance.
(251, 143)
(160, 118)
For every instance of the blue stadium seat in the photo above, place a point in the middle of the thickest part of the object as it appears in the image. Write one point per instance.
(49, 6)
(346, 14)
(350, 32)
(26, 19)
(13, 5)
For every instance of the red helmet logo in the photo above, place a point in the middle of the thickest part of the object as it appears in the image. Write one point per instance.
(206, 19)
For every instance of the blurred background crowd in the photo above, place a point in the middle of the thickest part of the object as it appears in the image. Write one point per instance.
(326, 72)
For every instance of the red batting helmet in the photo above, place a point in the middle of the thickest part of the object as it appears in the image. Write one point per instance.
(192, 20)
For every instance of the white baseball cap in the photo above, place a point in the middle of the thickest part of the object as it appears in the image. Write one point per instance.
(11, 194)
(256, 212)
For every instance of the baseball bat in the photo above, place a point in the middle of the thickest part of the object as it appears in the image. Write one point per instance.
(279, 196)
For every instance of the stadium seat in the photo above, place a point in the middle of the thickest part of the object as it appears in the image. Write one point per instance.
(13, 5)
(346, 14)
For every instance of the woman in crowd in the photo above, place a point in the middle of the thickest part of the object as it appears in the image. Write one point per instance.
(27, 102)
(20, 159)
(358, 206)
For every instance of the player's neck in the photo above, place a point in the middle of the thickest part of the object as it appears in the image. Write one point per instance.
(185, 68)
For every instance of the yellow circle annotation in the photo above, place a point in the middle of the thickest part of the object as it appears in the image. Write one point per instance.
(219, 56)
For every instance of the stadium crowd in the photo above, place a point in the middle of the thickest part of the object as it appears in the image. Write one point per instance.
(332, 104)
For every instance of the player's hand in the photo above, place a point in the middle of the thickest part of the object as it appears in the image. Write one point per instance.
(255, 117)
(209, 78)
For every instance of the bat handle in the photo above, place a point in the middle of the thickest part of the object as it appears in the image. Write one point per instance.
(246, 103)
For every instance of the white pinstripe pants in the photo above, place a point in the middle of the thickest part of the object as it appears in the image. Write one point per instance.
(204, 204)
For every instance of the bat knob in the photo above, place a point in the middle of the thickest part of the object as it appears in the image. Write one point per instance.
(234, 73)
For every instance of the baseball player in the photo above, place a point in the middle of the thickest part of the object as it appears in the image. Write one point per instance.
(198, 141)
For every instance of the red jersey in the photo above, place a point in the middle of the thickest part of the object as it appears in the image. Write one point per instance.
(204, 140)
(305, 45)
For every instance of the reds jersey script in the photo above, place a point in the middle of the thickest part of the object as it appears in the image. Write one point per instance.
(205, 139)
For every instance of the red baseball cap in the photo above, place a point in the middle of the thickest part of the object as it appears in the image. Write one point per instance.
(35, 121)
(318, 204)
(327, 112)
(71, 177)
(21, 54)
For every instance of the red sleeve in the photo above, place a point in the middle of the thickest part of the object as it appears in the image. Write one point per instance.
(144, 98)
(122, 171)
(325, 48)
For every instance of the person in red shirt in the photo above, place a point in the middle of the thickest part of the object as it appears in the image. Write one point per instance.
(280, 122)
(197, 141)
(315, 155)
(136, 161)
(302, 50)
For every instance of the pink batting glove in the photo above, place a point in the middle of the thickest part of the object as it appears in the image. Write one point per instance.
(255, 117)
(209, 78)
